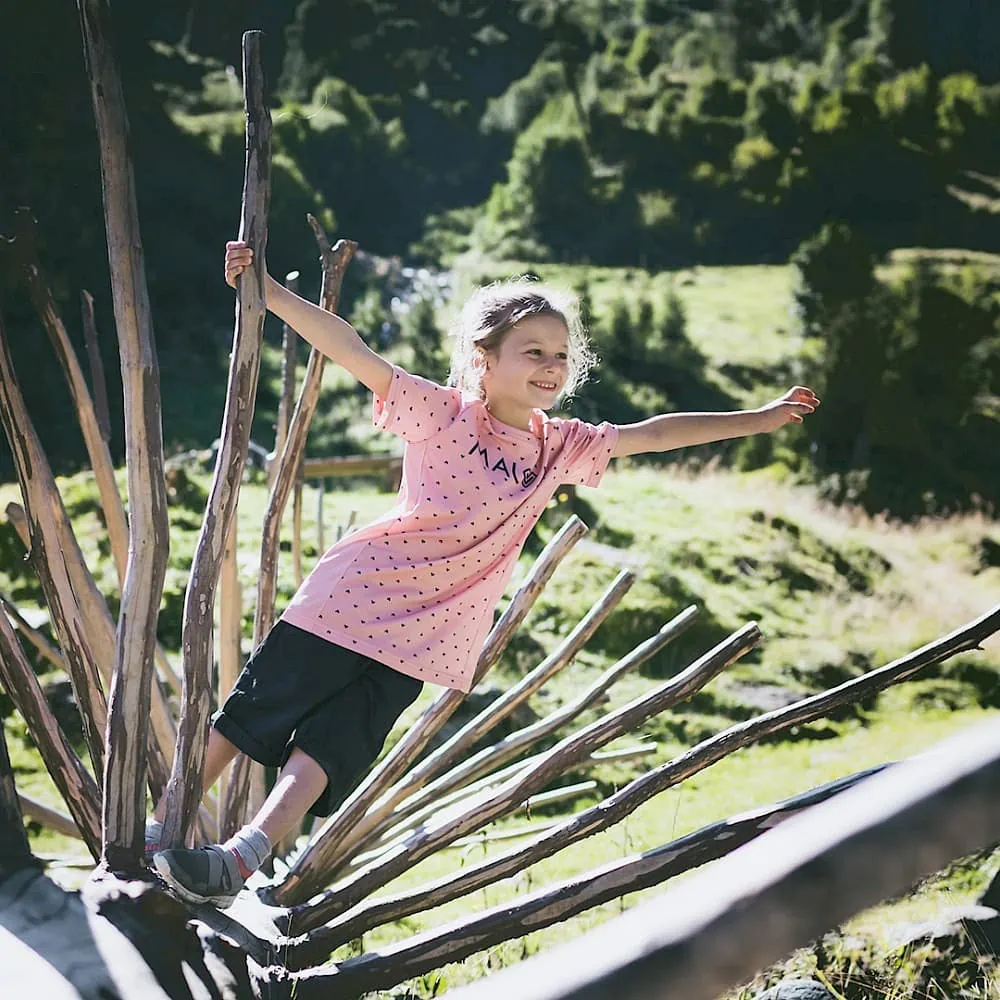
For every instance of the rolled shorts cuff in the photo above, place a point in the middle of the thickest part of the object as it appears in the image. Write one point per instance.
(247, 744)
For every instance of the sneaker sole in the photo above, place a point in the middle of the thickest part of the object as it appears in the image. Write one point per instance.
(188, 895)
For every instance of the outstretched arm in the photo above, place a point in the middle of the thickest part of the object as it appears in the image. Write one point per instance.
(681, 430)
(328, 333)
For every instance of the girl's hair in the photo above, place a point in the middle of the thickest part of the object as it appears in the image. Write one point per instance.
(494, 309)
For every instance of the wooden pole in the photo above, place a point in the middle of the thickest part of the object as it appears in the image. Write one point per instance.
(289, 345)
(184, 790)
(230, 634)
(14, 849)
(97, 380)
(135, 639)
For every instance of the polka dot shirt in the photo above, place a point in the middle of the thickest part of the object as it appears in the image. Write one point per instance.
(416, 589)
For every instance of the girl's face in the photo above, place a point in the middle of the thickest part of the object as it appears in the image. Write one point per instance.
(530, 367)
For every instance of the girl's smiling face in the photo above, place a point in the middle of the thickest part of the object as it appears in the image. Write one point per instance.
(528, 369)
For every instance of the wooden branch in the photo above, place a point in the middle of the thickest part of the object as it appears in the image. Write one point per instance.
(615, 808)
(327, 850)
(382, 812)
(230, 634)
(77, 787)
(97, 380)
(351, 465)
(135, 638)
(334, 263)
(713, 931)
(184, 790)
(47, 650)
(550, 905)
(566, 753)
(512, 745)
(297, 532)
(15, 851)
(289, 345)
(48, 817)
(53, 548)
(93, 434)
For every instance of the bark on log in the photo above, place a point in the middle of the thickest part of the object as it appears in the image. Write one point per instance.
(135, 638)
(184, 790)
(53, 547)
(567, 752)
(77, 787)
(460, 938)
(324, 854)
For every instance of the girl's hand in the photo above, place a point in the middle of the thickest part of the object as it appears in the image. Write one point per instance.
(238, 258)
(790, 408)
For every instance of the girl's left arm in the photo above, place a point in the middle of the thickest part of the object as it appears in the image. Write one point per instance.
(682, 430)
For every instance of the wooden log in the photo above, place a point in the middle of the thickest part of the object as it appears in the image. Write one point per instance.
(97, 380)
(716, 929)
(149, 537)
(552, 904)
(53, 547)
(14, 848)
(616, 807)
(230, 632)
(334, 264)
(48, 817)
(385, 812)
(351, 465)
(77, 787)
(324, 853)
(512, 745)
(184, 790)
(566, 753)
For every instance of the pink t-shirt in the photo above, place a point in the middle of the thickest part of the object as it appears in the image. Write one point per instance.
(416, 589)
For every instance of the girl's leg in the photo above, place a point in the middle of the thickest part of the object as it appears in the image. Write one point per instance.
(300, 783)
(218, 754)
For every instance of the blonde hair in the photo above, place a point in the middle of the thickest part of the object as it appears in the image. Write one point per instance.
(495, 309)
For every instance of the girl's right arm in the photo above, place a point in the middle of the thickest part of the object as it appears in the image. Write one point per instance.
(328, 333)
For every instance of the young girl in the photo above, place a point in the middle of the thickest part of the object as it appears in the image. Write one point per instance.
(410, 598)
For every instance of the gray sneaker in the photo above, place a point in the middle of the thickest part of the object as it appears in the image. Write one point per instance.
(204, 875)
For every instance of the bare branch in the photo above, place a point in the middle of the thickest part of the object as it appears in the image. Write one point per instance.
(289, 345)
(55, 820)
(48, 651)
(326, 851)
(135, 639)
(15, 851)
(100, 390)
(77, 787)
(184, 790)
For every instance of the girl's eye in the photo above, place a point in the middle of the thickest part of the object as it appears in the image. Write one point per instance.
(562, 357)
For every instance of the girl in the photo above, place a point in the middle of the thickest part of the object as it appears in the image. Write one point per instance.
(410, 598)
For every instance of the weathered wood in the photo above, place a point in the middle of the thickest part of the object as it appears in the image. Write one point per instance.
(51, 818)
(325, 854)
(98, 383)
(135, 637)
(286, 400)
(298, 575)
(77, 787)
(552, 904)
(512, 745)
(230, 634)
(625, 801)
(24, 248)
(351, 465)
(334, 262)
(384, 812)
(14, 848)
(53, 547)
(184, 790)
(717, 928)
(47, 650)
(566, 753)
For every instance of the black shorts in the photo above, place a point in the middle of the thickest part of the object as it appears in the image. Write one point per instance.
(336, 705)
